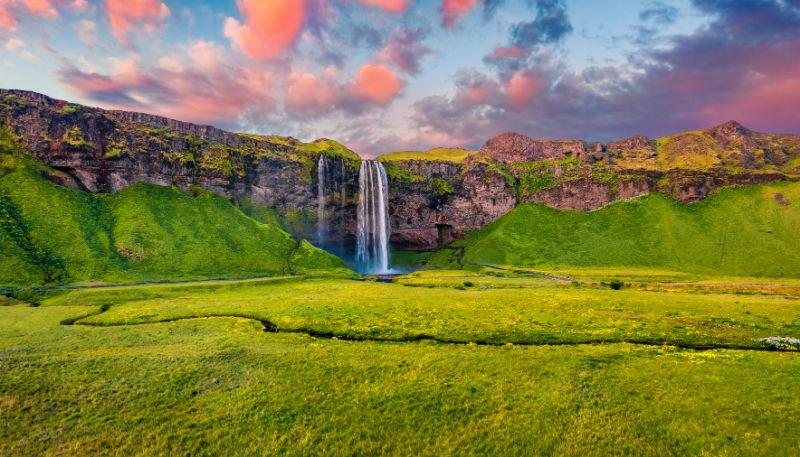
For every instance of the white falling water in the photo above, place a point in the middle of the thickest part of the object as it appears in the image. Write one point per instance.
(343, 185)
(322, 228)
(372, 237)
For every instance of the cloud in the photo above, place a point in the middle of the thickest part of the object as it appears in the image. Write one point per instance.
(19, 46)
(742, 65)
(453, 10)
(123, 15)
(9, 10)
(43, 8)
(204, 89)
(659, 13)
(392, 6)
(405, 50)
(269, 28)
(8, 20)
(521, 88)
(377, 83)
(13, 44)
(550, 25)
(308, 95)
(87, 32)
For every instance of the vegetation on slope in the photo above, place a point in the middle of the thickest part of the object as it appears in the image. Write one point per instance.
(52, 234)
(749, 232)
(457, 155)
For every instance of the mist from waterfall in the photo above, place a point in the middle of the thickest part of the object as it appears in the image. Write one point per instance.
(372, 237)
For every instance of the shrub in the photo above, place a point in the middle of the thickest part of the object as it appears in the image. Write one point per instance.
(616, 284)
(468, 284)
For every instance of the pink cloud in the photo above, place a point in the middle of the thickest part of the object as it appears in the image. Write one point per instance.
(476, 94)
(405, 50)
(206, 54)
(769, 102)
(40, 7)
(7, 19)
(125, 14)
(185, 91)
(392, 6)
(453, 10)
(44, 8)
(270, 27)
(508, 52)
(377, 83)
(307, 94)
(521, 88)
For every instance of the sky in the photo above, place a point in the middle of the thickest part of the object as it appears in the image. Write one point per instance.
(384, 75)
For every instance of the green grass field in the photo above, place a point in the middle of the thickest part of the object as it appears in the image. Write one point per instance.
(446, 154)
(457, 362)
(751, 231)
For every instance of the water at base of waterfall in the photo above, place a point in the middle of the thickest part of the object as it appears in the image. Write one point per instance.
(372, 235)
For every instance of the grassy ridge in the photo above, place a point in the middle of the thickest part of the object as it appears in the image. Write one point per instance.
(50, 233)
(446, 154)
(751, 231)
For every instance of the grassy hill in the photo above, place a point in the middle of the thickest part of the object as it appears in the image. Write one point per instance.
(445, 154)
(55, 234)
(752, 231)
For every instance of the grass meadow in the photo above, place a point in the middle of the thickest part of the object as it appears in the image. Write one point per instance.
(448, 362)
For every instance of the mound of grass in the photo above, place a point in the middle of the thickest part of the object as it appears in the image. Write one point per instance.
(744, 232)
(54, 234)
(443, 154)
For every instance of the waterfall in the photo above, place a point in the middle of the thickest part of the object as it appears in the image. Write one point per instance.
(322, 170)
(343, 185)
(372, 238)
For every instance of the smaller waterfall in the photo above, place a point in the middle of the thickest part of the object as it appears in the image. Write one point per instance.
(372, 237)
(343, 185)
(322, 226)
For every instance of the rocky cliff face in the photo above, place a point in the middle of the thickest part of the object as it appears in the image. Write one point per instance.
(432, 201)
(106, 151)
(577, 175)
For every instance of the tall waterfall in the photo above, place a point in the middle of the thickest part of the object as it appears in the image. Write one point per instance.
(343, 181)
(372, 238)
(322, 226)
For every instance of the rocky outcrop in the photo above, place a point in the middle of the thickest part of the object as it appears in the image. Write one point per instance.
(512, 147)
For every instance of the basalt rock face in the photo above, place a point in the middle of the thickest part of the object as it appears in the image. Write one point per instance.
(434, 202)
(106, 151)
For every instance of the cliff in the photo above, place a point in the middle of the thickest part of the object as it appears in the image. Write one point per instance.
(511, 169)
(435, 196)
(107, 151)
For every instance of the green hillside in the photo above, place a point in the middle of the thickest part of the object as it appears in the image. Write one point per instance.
(751, 231)
(54, 234)
(445, 154)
